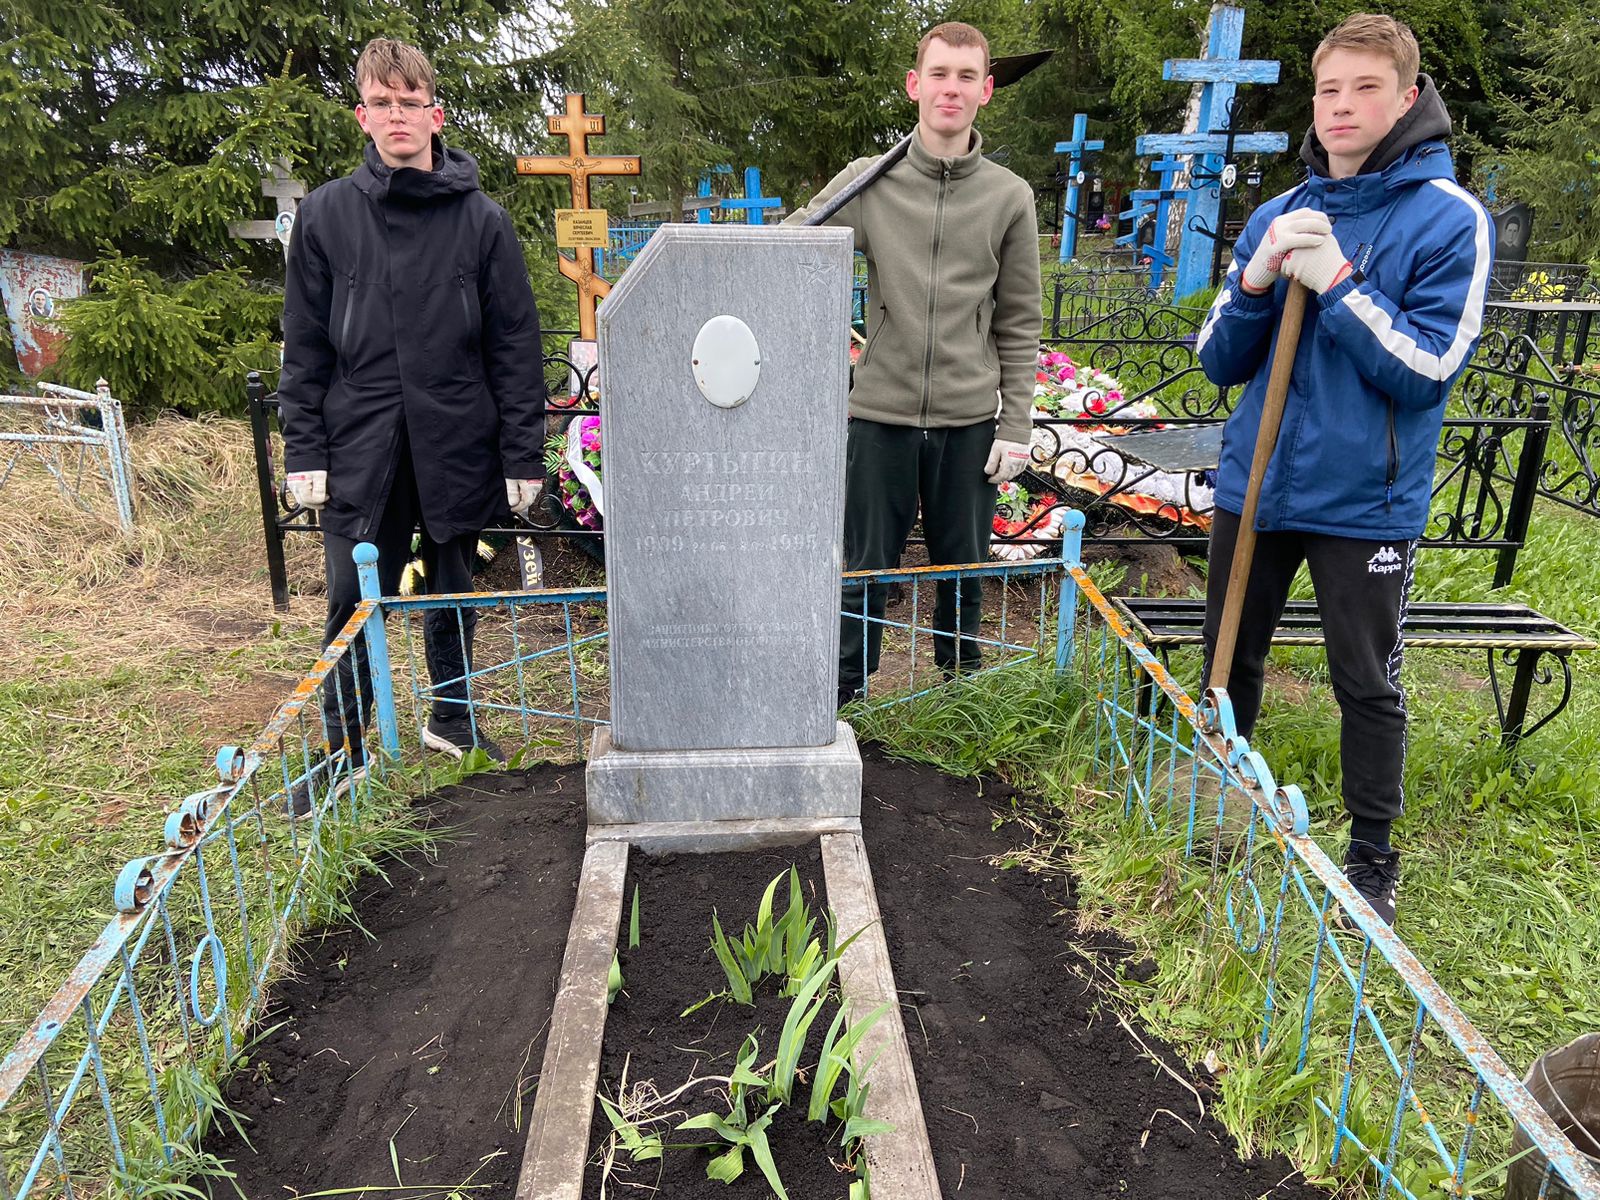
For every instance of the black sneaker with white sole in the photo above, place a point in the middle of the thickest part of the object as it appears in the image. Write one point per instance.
(1375, 874)
(455, 736)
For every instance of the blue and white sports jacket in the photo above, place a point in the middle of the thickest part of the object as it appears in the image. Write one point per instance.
(1377, 355)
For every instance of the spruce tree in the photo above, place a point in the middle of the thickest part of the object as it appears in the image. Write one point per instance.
(139, 129)
(1552, 159)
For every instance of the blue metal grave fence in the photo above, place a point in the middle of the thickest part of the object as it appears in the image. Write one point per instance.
(67, 431)
(108, 1081)
(1415, 1100)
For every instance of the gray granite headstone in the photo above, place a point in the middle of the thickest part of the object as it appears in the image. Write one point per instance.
(724, 414)
(723, 524)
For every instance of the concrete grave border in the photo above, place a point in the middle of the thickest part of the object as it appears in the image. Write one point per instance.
(563, 1108)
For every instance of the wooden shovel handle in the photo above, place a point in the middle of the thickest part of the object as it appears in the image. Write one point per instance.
(1244, 548)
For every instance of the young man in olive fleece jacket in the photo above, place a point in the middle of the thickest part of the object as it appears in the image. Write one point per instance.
(951, 242)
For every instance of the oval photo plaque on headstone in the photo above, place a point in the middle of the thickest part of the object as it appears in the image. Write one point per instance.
(726, 361)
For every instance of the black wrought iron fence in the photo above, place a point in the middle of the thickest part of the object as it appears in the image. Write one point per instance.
(572, 389)
(1144, 377)
(1541, 281)
(1079, 301)
(1512, 376)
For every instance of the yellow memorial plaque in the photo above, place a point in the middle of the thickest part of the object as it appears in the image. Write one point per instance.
(581, 228)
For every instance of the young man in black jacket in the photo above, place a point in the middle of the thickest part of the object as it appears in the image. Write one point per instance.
(412, 391)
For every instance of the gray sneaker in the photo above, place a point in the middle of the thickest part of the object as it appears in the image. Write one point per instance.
(455, 736)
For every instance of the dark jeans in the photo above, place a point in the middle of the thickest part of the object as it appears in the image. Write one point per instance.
(447, 638)
(889, 470)
(1362, 589)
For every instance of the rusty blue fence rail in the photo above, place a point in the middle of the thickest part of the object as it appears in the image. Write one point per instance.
(72, 434)
(102, 1085)
(109, 1080)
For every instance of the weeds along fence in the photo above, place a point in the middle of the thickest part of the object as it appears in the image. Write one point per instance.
(115, 1082)
(75, 436)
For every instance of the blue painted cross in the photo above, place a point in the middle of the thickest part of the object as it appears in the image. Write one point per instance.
(1220, 72)
(754, 203)
(1153, 202)
(704, 215)
(1077, 148)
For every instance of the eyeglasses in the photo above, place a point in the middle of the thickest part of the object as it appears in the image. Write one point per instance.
(405, 108)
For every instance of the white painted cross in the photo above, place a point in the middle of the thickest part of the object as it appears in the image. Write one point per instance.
(287, 192)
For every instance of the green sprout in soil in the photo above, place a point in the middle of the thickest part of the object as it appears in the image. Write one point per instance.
(785, 945)
(614, 979)
(633, 921)
(738, 1131)
(782, 948)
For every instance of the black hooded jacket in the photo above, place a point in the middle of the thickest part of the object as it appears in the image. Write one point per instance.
(407, 309)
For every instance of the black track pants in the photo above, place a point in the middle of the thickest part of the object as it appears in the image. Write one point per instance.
(1362, 589)
(447, 641)
(890, 470)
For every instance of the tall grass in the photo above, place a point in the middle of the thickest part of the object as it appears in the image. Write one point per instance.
(124, 662)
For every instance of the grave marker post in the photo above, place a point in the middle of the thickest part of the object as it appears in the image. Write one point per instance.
(578, 165)
(1153, 203)
(288, 192)
(1078, 148)
(1219, 73)
(754, 203)
(724, 408)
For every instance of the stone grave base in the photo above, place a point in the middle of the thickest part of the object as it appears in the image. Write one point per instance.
(791, 782)
(559, 1132)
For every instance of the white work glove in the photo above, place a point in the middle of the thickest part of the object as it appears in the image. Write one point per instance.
(1300, 229)
(309, 489)
(1319, 267)
(1006, 460)
(520, 495)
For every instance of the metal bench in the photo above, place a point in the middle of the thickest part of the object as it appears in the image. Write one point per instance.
(1513, 633)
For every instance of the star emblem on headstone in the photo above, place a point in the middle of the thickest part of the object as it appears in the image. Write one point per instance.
(817, 268)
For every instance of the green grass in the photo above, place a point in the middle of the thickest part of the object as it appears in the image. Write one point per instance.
(1500, 897)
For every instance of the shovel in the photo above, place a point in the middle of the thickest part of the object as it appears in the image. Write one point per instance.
(1244, 549)
(861, 182)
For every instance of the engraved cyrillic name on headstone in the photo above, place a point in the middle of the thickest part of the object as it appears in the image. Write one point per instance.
(723, 524)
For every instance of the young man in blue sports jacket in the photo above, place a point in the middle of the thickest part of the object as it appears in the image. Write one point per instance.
(1397, 257)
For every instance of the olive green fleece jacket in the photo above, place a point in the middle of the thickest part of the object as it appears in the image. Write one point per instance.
(952, 291)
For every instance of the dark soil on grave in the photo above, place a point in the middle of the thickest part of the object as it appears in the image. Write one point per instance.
(423, 1034)
(1001, 1012)
(648, 1037)
(1029, 1089)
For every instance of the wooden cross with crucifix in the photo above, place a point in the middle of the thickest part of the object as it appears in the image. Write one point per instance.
(580, 166)
(287, 192)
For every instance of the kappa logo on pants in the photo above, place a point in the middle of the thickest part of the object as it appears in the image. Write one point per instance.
(1385, 562)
